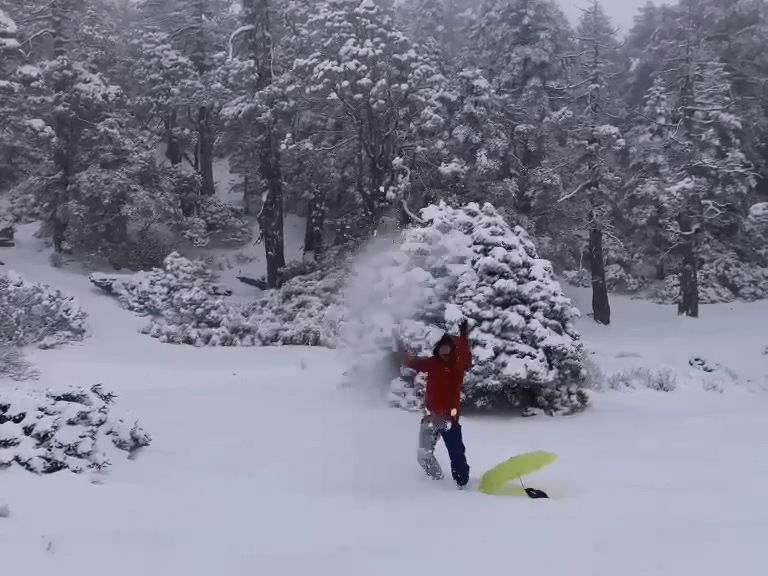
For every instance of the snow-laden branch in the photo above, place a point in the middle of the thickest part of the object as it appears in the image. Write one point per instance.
(233, 37)
(35, 36)
(713, 209)
(570, 195)
(411, 215)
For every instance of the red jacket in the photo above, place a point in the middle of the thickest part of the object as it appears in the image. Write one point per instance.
(444, 379)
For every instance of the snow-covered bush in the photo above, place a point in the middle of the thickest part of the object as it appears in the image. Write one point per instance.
(302, 311)
(662, 380)
(187, 307)
(721, 280)
(617, 279)
(709, 292)
(141, 253)
(154, 291)
(595, 376)
(214, 220)
(69, 429)
(580, 278)
(715, 375)
(37, 314)
(746, 282)
(468, 263)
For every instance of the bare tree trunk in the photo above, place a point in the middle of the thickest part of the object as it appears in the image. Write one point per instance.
(246, 197)
(313, 234)
(257, 14)
(63, 160)
(271, 218)
(206, 137)
(65, 128)
(172, 144)
(601, 308)
(688, 303)
(365, 196)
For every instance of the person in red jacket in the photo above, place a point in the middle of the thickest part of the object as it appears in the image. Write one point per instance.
(442, 403)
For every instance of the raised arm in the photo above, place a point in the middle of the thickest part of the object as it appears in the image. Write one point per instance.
(463, 349)
(463, 352)
(420, 364)
(417, 363)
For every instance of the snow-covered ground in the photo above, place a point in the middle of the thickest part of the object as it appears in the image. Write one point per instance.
(263, 463)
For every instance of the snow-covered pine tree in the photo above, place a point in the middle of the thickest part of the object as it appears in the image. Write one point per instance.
(757, 228)
(712, 182)
(166, 82)
(477, 134)
(361, 69)
(12, 148)
(423, 20)
(518, 43)
(507, 133)
(185, 43)
(81, 128)
(469, 263)
(639, 54)
(257, 121)
(526, 347)
(641, 207)
(426, 167)
(458, 17)
(316, 168)
(595, 179)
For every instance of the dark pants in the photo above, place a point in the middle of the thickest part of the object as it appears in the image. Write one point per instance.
(430, 431)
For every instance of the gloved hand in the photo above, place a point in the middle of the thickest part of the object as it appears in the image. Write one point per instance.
(464, 327)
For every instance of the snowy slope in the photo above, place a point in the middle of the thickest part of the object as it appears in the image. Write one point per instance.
(733, 336)
(263, 464)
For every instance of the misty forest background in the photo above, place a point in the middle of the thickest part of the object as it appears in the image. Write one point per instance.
(637, 162)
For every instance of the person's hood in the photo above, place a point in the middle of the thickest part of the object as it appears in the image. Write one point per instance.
(446, 339)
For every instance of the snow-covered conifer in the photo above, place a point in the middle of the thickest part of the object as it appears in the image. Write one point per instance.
(72, 428)
(37, 314)
(468, 263)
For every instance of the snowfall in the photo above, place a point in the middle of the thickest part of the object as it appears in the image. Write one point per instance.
(270, 462)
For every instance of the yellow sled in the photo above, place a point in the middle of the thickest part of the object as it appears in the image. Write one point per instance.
(497, 481)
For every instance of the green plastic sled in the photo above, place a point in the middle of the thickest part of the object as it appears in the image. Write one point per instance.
(497, 480)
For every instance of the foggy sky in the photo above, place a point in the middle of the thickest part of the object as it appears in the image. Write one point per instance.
(621, 11)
